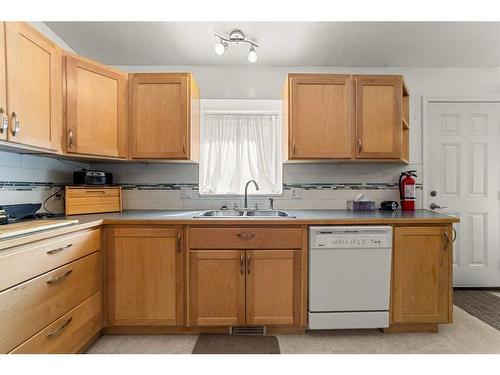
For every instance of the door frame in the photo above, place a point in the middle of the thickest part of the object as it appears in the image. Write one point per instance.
(426, 100)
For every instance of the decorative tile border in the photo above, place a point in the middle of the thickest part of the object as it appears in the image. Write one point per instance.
(8, 185)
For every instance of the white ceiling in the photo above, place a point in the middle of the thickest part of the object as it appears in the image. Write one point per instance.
(341, 44)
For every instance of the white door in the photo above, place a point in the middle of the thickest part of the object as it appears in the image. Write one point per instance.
(461, 174)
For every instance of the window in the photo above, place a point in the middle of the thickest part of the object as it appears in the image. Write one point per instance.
(237, 147)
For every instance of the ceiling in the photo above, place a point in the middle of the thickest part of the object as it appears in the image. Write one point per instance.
(340, 44)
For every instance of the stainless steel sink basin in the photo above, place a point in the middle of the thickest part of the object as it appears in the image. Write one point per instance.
(221, 213)
(269, 213)
(245, 214)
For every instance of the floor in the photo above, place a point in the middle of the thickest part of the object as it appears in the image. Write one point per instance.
(466, 335)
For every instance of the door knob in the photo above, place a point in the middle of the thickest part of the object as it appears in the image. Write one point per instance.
(433, 193)
(435, 206)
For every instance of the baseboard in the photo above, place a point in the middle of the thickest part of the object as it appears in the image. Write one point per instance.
(162, 330)
(411, 327)
(492, 288)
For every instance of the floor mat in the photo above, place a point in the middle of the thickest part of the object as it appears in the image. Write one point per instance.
(480, 304)
(244, 344)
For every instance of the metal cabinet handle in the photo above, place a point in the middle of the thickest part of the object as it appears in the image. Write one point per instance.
(4, 121)
(58, 278)
(59, 329)
(294, 147)
(179, 247)
(360, 146)
(95, 191)
(70, 138)
(242, 263)
(447, 238)
(246, 236)
(54, 251)
(454, 234)
(183, 145)
(249, 258)
(17, 124)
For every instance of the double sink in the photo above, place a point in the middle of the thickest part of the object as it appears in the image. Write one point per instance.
(246, 213)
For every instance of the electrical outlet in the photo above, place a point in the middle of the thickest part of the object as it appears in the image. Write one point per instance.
(186, 193)
(296, 193)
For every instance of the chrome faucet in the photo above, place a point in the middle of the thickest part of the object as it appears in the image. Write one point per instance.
(246, 191)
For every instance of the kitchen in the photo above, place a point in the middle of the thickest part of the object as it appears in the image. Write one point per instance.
(228, 200)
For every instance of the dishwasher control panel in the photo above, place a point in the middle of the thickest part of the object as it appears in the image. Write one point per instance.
(350, 237)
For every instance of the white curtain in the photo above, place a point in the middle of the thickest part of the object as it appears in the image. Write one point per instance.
(236, 148)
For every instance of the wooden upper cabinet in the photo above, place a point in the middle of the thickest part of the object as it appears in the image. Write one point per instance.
(145, 277)
(4, 117)
(34, 87)
(216, 287)
(379, 117)
(421, 285)
(165, 116)
(319, 110)
(273, 287)
(96, 108)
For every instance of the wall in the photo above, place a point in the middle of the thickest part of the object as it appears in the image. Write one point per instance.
(321, 185)
(31, 179)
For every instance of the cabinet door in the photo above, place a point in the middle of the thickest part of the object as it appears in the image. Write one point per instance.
(96, 109)
(421, 290)
(273, 287)
(160, 116)
(145, 277)
(3, 86)
(216, 287)
(320, 116)
(378, 117)
(34, 87)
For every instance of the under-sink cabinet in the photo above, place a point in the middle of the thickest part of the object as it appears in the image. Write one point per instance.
(246, 276)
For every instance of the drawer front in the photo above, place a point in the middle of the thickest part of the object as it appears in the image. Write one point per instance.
(68, 334)
(95, 200)
(245, 238)
(26, 262)
(29, 307)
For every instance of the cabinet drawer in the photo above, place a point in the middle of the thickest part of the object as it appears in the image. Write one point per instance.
(92, 200)
(25, 262)
(245, 238)
(29, 307)
(70, 332)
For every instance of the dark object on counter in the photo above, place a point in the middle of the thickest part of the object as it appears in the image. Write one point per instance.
(88, 177)
(17, 212)
(389, 206)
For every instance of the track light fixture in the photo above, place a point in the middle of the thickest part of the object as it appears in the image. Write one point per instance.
(236, 37)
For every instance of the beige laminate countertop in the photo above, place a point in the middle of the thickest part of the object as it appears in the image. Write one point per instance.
(301, 217)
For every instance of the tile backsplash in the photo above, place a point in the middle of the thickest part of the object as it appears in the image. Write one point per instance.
(31, 179)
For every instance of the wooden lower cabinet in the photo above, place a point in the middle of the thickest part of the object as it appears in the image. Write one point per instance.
(273, 287)
(238, 287)
(217, 287)
(145, 277)
(422, 275)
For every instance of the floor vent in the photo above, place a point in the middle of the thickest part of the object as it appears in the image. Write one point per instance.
(247, 330)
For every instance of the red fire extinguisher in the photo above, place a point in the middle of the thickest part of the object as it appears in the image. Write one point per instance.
(407, 190)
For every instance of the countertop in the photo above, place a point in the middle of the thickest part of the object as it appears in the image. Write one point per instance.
(302, 217)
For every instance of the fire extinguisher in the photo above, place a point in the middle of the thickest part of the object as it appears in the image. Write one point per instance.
(407, 190)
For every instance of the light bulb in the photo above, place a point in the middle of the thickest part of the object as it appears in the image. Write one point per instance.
(252, 55)
(220, 48)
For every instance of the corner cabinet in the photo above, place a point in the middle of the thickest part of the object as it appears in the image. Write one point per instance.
(345, 117)
(95, 98)
(33, 86)
(145, 277)
(247, 276)
(422, 276)
(165, 116)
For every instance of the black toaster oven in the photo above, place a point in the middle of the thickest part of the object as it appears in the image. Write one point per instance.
(88, 177)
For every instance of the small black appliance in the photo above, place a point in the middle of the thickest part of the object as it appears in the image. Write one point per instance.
(389, 206)
(89, 177)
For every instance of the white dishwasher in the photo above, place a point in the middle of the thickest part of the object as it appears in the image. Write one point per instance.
(349, 276)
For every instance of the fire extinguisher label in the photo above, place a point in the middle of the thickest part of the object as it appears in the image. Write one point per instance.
(409, 191)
